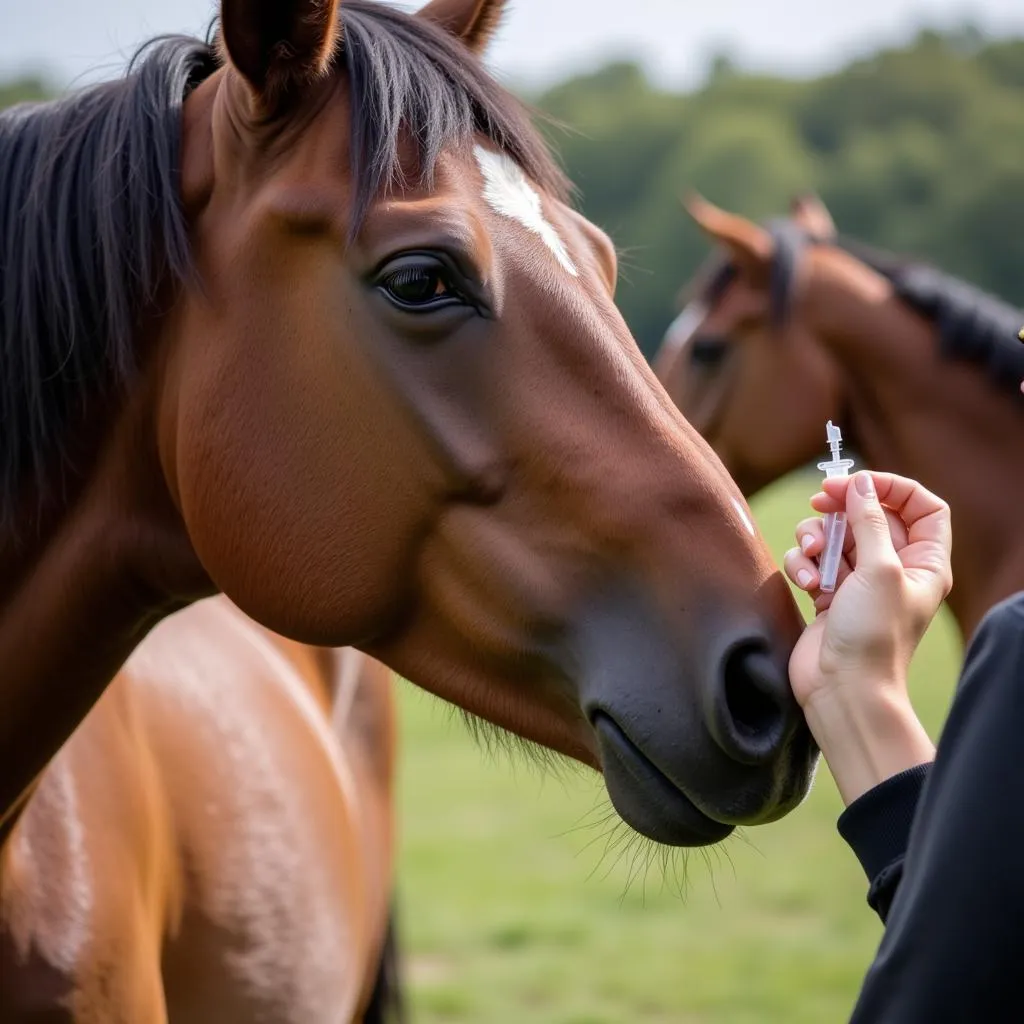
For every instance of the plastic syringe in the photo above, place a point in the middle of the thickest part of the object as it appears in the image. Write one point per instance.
(834, 522)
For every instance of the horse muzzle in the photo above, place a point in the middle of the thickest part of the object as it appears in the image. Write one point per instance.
(696, 734)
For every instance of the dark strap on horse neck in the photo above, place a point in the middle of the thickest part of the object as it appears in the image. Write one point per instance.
(789, 241)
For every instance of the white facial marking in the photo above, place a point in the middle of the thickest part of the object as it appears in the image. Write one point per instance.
(508, 193)
(744, 518)
(682, 329)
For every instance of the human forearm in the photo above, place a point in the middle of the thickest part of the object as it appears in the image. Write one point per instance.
(867, 736)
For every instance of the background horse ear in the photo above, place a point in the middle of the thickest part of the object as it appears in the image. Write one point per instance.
(748, 243)
(279, 45)
(472, 21)
(812, 215)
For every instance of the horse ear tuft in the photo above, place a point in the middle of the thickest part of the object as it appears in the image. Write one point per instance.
(472, 21)
(749, 244)
(812, 215)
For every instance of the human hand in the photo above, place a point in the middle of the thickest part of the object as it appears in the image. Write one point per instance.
(849, 668)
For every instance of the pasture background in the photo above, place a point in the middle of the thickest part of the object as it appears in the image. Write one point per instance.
(920, 149)
(501, 923)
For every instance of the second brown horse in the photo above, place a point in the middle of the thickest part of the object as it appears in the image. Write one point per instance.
(791, 325)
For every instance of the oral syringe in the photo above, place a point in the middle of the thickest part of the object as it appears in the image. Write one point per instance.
(834, 522)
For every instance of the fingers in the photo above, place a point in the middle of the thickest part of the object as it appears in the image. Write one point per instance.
(926, 517)
(867, 520)
(907, 497)
(810, 535)
(802, 569)
(897, 529)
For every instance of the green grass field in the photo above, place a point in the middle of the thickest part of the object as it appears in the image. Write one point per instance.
(511, 914)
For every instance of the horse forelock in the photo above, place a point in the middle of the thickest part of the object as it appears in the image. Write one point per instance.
(91, 217)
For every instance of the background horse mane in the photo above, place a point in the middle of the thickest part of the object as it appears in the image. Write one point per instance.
(91, 217)
(972, 324)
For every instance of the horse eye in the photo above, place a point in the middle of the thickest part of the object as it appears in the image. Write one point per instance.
(708, 352)
(420, 286)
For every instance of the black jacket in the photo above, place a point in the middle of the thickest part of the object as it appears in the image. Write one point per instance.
(943, 849)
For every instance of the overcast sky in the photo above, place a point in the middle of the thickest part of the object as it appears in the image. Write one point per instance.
(541, 40)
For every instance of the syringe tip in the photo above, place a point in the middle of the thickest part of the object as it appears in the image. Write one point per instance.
(832, 432)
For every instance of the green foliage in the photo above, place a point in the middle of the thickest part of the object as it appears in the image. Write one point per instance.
(919, 149)
(22, 90)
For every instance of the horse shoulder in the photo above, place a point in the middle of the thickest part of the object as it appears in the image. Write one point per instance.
(277, 919)
(86, 877)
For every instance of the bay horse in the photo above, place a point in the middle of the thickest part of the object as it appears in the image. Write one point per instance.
(789, 325)
(223, 812)
(304, 318)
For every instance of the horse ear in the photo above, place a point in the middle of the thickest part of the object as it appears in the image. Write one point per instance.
(749, 244)
(472, 21)
(812, 215)
(279, 45)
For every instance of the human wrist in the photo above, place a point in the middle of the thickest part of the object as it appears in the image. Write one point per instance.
(867, 735)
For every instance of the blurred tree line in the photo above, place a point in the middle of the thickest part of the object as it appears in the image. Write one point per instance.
(22, 90)
(918, 149)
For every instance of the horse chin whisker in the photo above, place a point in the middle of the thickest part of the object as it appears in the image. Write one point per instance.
(621, 843)
(495, 742)
(601, 813)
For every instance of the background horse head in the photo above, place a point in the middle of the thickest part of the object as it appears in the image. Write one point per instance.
(790, 325)
(305, 318)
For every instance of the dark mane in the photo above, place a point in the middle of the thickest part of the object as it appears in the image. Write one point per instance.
(408, 75)
(91, 222)
(971, 324)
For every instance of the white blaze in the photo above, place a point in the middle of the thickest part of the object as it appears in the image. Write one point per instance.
(508, 193)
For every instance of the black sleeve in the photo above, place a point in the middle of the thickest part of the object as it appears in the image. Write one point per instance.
(951, 948)
(877, 827)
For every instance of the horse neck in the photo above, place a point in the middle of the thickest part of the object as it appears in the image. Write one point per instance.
(912, 411)
(81, 587)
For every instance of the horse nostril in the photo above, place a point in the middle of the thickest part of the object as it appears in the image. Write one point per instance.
(751, 704)
(748, 692)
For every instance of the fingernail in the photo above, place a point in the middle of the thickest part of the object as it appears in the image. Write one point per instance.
(865, 485)
(804, 577)
(805, 542)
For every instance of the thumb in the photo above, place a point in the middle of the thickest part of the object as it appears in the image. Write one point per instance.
(866, 518)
